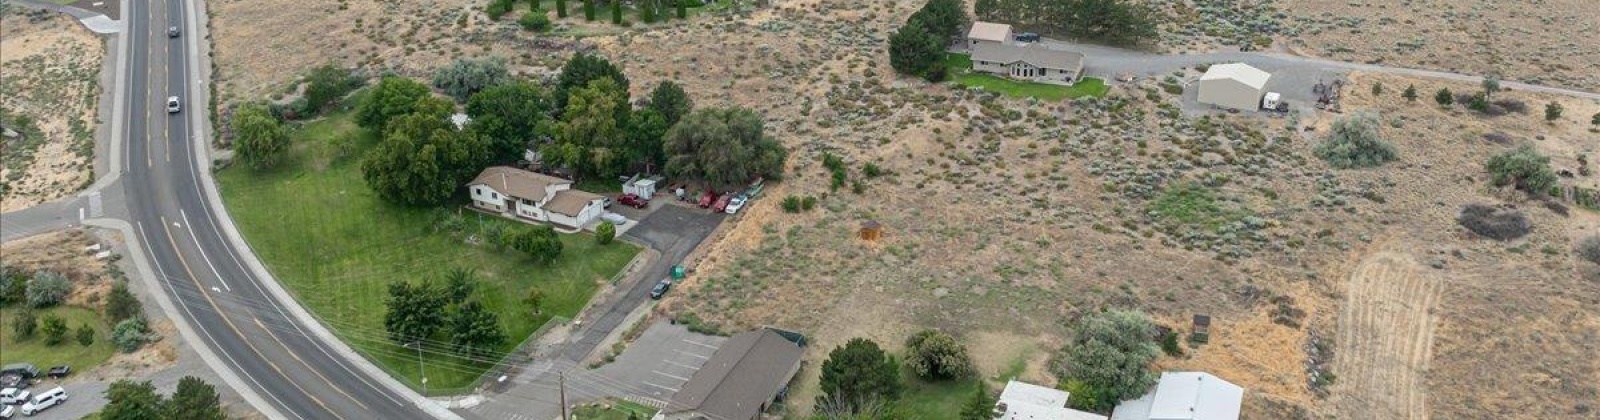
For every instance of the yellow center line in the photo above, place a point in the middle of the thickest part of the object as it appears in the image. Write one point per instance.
(166, 227)
(308, 366)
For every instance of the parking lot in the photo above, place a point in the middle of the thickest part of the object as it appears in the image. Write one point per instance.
(662, 360)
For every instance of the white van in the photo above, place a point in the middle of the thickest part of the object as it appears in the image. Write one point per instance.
(44, 400)
(11, 396)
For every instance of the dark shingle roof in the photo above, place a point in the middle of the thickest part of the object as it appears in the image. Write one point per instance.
(745, 373)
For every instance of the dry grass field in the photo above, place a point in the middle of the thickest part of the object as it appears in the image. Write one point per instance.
(52, 67)
(1006, 219)
(1550, 42)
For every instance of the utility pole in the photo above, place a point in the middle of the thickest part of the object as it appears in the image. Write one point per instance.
(564, 397)
(420, 369)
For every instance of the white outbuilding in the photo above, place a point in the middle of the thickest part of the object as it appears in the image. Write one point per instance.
(1233, 85)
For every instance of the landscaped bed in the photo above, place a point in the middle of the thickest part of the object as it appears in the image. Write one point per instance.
(336, 246)
(960, 67)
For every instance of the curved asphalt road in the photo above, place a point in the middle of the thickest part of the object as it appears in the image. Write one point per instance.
(297, 375)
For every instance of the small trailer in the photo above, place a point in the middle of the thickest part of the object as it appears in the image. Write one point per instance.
(1271, 101)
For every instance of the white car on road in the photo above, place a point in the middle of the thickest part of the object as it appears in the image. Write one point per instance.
(172, 105)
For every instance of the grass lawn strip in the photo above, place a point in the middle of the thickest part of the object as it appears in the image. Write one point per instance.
(69, 352)
(336, 246)
(613, 411)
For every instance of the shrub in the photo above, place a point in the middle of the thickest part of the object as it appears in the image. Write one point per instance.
(54, 329)
(791, 204)
(1444, 97)
(1589, 249)
(1595, 120)
(13, 286)
(605, 233)
(24, 324)
(534, 20)
(871, 170)
(808, 203)
(1355, 142)
(858, 373)
(539, 242)
(933, 354)
(47, 288)
(464, 77)
(1553, 111)
(1512, 105)
(1523, 167)
(327, 84)
(1502, 224)
(85, 335)
(497, 8)
(121, 304)
(130, 334)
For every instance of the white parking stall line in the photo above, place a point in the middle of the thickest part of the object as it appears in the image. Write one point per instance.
(694, 355)
(681, 365)
(669, 375)
(713, 348)
(668, 388)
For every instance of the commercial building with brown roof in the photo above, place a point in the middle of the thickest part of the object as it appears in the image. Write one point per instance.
(740, 381)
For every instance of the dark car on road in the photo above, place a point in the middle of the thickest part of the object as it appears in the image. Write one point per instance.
(632, 200)
(661, 288)
(1027, 37)
(173, 32)
(59, 372)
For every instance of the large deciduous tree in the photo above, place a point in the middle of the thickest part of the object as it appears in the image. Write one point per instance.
(1111, 353)
(394, 96)
(590, 139)
(579, 71)
(326, 84)
(422, 157)
(858, 374)
(259, 139)
(466, 76)
(415, 311)
(933, 354)
(474, 330)
(510, 117)
(723, 147)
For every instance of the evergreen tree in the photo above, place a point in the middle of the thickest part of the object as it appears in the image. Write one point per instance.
(980, 406)
(128, 400)
(561, 9)
(195, 400)
(858, 373)
(475, 330)
(1444, 97)
(616, 12)
(1410, 93)
(588, 10)
(683, 11)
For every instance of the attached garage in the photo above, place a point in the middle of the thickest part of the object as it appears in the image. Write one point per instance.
(1233, 85)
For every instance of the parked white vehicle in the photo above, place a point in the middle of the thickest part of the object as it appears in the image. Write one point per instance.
(735, 204)
(53, 397)
(11, 396)
(7, 411)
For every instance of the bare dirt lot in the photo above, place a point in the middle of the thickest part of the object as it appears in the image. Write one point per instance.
(1005, 219)
(48, 96)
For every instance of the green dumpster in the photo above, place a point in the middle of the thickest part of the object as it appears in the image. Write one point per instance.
(677, 272)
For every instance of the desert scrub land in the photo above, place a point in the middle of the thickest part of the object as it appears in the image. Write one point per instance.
(337, 246)
(48, 98)
(1547, 42)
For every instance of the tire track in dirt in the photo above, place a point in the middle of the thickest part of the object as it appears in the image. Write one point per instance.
(1385, 340)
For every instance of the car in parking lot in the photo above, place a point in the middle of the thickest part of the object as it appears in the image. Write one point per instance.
(722, 203)
(53, 397)
(7, 411)
(59, 372)
(707, 198)
(11, 396)
(633, 200)
(736, 203)
(661, 288)
(172, 105)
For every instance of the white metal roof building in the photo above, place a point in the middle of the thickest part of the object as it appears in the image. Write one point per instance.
(1233, 85)
(1025, 401)
(1185, 396)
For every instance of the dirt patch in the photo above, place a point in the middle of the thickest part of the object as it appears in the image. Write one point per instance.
(49, 97)
(1385, 338)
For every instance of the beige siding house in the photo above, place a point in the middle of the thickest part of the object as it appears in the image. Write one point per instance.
(530, 196)
(1032, 62)
(1233, 85)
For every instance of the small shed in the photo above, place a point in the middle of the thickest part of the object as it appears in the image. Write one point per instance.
(1233, 85)
(641, 186)
(871, 230)
(1202, 329)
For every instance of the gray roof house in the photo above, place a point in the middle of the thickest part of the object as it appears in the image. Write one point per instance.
(1035, 62)
(740, 381)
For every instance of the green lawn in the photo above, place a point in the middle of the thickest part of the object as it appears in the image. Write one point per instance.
(960, 66)
(336, 247)
(934, 400)
(69, 353)
(613, 411)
